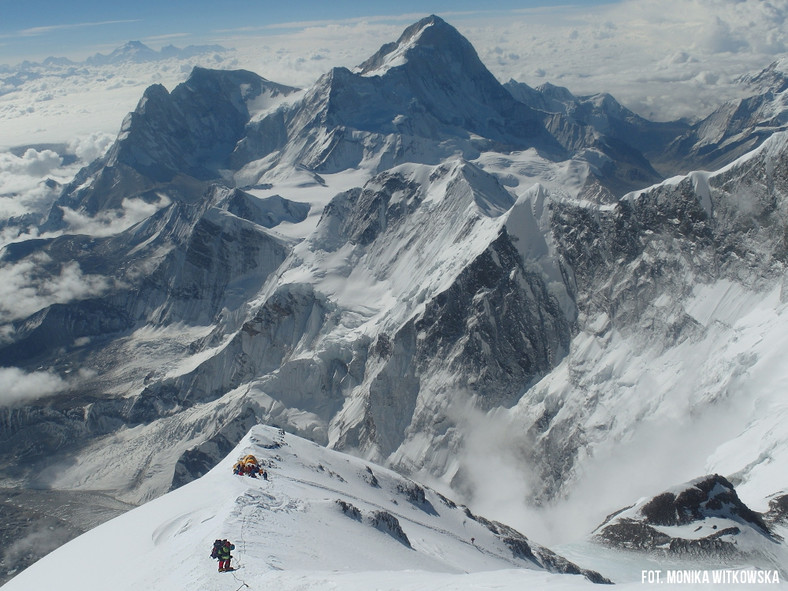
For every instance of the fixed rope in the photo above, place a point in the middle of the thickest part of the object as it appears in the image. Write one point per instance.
(242, 545)
(242, 538)
(243, 583)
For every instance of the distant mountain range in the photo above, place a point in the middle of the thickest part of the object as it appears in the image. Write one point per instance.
(131, 52)
(415, 263)
(138, 52)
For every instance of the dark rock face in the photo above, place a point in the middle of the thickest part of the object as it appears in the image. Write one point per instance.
(387, 523)
(713, 494)
(629, 534)
(520, 548)
(601, 248)
(558, 564)
(637, 536)
(619, 259)
(194, 129)
(417, 497)
(712, 497)
(349, 509)
(778, 510)
(524, 549)
(497, 322)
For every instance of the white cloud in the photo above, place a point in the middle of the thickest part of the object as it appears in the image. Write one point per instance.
(89, 147)
(29, 199)
(107, 223)
(31, 163)
(36, 31)
(166, 37)
(22, 189)
(18, 386)
(25, 287)
(646, 53)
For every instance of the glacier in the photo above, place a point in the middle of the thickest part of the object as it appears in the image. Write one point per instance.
(536, 301)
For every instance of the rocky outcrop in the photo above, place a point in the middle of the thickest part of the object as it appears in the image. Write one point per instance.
(703, 519)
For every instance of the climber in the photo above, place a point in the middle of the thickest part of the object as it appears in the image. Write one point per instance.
(247, 465)
(221, 550)
(216, 545)
(252, 469)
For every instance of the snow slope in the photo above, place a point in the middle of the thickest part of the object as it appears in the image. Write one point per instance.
(677, 368)
(421, 320)
(310, 525)
(321, 516)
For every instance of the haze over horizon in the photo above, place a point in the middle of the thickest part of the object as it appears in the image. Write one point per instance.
(36, 30)
(663, 61)
(536, 302)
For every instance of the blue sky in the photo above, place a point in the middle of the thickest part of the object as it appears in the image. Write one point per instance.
(39, 28)
(664, 59)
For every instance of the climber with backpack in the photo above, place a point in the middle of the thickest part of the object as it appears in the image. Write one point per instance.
(221, 551)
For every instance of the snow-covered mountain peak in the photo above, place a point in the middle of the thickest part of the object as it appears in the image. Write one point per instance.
(190, 131)
(702, 518)
(136, 52)
(773, 78)
(133, 47)
(554, 92)
(131, 51)
(471, 253)
(431, 37)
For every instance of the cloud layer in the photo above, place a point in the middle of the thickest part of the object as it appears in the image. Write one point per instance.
(26, 288)
(664, 59)
(18, 386)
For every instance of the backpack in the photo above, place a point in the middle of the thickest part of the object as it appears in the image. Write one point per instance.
(217, 544)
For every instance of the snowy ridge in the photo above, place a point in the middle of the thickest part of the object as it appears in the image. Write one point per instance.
(392, 55)
(413, 266)
(686, 369)
(738, 126)
(318, 512)
(703, 519)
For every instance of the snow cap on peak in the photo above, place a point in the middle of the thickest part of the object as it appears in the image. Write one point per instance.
(134, 46)
(553, 91)
(415, 30)
(131, 51)
(773, 78)
(432, 35)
